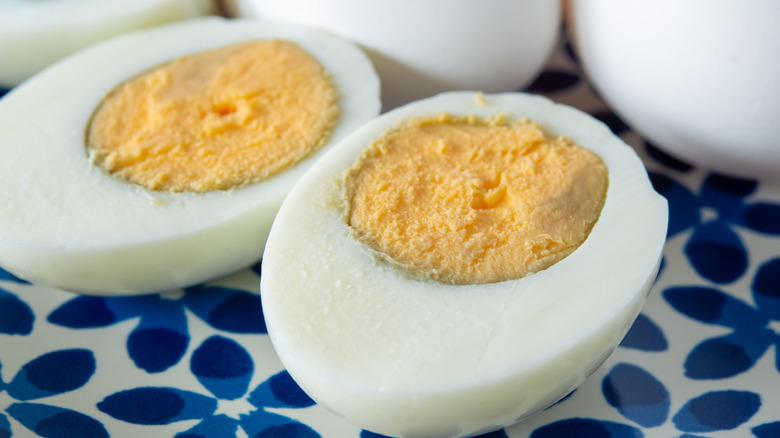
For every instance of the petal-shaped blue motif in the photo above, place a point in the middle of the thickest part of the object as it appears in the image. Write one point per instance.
(768, 430)
(726, 191)
(54, 422)
(553, 80)
(158, 342)
(637, 395)
(762, 217)
(5, 427)
(155, 405)
(155, 308)
(717, 253)
(241, 313)
(16, 317)
(683, 206)
(717, 411)
(156, 349)
(766, 288)
(726, 195)
(52, 373)
(227, 309)
(288, 392)
(609, 118)
(161, 338)
(215, 426)
(727, 356)
(644, 335)
(586, 428)
(280, 391)
(83, 312)
(7, 276)
(262, 424)
(223, 367)
(711, 306)
(666, 159)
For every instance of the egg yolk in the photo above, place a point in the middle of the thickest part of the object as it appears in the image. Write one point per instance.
(465, 200)
(215, 120)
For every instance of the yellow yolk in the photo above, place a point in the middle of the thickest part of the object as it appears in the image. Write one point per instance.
(464, 200)
(215, 120)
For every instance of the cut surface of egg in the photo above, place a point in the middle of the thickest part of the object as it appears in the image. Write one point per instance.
(402, 353)
(34, 33)
(161, 168)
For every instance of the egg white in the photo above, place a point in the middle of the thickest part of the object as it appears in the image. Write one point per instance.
(66, 223)
(35, 33)
(404, 357)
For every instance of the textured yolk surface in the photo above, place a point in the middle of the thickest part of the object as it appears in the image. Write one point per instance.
(215, 120)
(465, 200)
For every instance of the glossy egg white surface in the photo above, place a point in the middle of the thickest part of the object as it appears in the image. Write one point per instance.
(423, 48)
(66, 223)
(698, 78)
(36, 33)
(404, 357)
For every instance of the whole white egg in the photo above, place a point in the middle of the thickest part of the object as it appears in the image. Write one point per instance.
(423, 48)
(403, 356)
(34, 34)
(698, 78)
(66, 223)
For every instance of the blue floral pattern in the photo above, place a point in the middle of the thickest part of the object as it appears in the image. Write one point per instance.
(714, 249)
(644, 335)
(645, 401)
(16, 317)
(198, 362)
(750, 334)
(161, 337)
(53, 373)
(225, 369)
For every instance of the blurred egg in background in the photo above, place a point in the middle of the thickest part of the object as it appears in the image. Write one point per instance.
(423, 48)
(35, 33)
(700, 79)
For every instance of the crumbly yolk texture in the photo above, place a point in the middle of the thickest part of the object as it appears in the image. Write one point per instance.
(216, 120)
(464, 200)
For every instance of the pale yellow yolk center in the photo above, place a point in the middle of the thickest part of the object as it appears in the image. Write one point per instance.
(465, 200)
(216, 120)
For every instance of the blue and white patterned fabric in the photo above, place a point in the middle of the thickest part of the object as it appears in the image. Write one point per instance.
(702, 360)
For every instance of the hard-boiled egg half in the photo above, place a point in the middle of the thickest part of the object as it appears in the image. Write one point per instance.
(158, 159)
(460, 263)
(35, 33)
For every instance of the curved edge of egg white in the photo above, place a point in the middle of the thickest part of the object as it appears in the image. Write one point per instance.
(36, 34)
(57, 216)
(496, 386)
